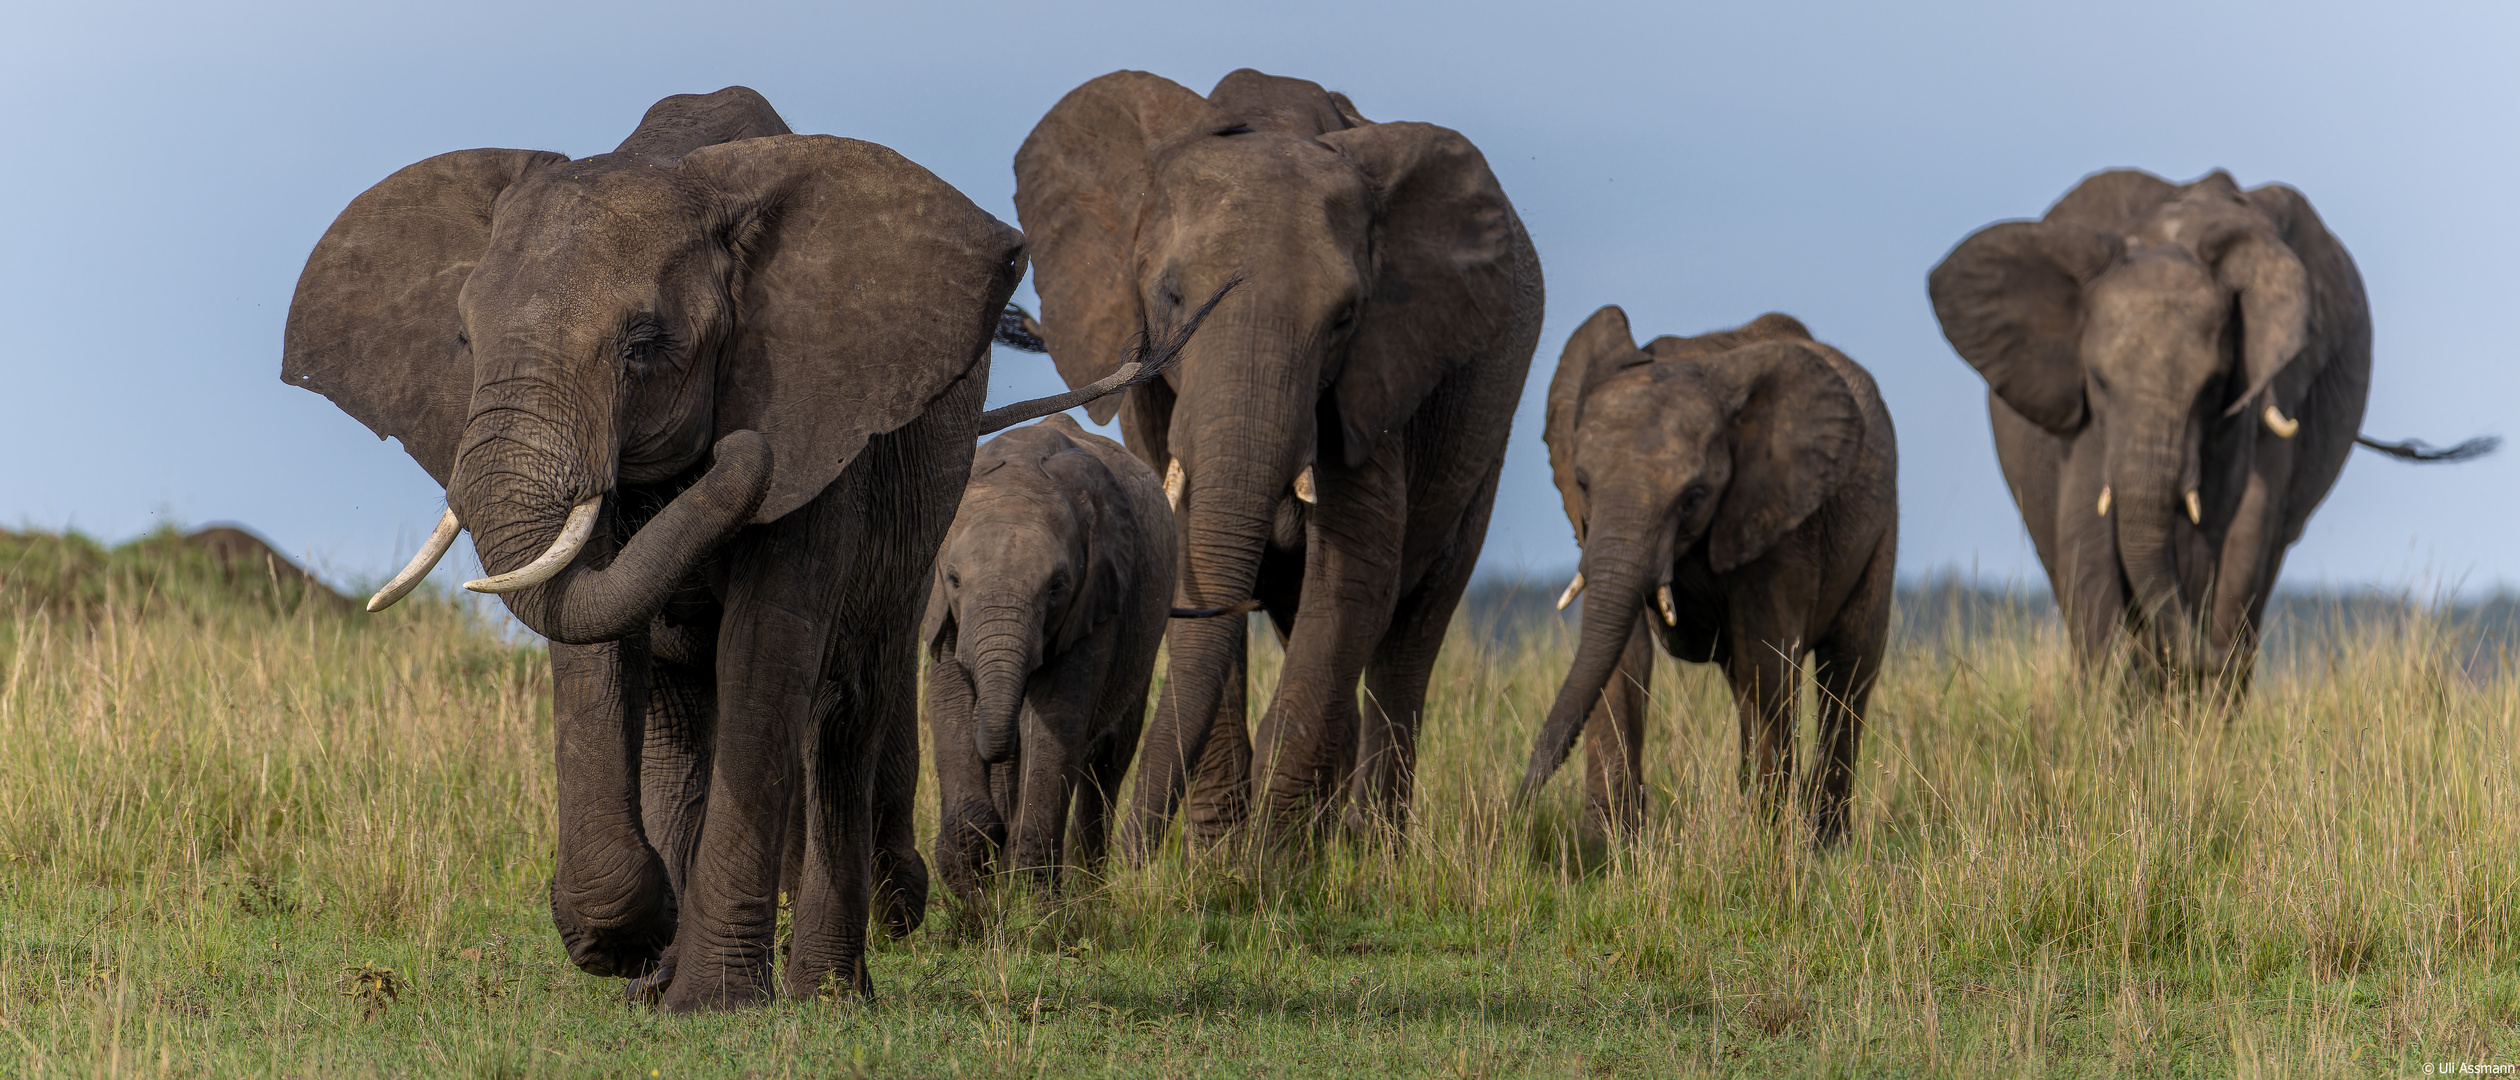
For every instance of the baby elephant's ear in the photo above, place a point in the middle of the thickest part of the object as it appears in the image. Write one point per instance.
(373, 325)
(868, 287)
(1110, 573)
(1795, 434)
(1595, 349)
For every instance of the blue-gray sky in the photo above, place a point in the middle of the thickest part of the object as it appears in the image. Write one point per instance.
(1696, 165)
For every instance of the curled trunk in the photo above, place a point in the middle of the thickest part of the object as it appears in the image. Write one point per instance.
(585, 605)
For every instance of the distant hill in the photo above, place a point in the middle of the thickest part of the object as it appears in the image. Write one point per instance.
(220, 567)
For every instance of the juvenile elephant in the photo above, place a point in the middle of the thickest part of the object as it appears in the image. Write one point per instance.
(706, 403)
(1331, 448)
(1046, 608)
(1737, 494)
(2176, 374)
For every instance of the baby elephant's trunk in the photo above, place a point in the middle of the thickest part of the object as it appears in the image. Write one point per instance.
(1001, 661)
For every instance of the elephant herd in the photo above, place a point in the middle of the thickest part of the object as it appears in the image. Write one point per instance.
(708, 405)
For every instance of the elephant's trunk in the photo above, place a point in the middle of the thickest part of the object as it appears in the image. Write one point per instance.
(1000, 653)
(1618, 572)
(582, 604)
(2144, 485)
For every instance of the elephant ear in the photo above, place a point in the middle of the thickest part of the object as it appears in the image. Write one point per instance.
(1602, 345)
(1081, 180)
(373, 325)
(869, 287)
(1110, 575)
(1455, 277)
(2010, 300)
(1796, 431)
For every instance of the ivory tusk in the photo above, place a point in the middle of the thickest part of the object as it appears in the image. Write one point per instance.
(440, 539)
(1670, 614)
(2104, 500)
(2196, 512)
(573, 534)
(1173, 479)
(1304, 486)
(2275, 422)
(1574, 589)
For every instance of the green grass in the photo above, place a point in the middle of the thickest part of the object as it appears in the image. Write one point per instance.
(245, 839)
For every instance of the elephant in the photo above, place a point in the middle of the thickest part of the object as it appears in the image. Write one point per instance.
(1331, 449)
(705, 403)
(2175, 375)
(1743, 487)
(1048, 601)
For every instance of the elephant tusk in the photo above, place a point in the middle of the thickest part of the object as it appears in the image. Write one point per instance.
(440, 539)
(1574, 589)
(2104, 500)
(573, 534)
(1670, 614)
(2196, 512)
(2275, 422)
(1173, 479)
(1304, 487)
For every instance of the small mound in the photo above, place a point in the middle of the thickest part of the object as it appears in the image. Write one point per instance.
(215, 569)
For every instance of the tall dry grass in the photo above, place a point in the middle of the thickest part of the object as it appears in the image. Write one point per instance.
(254, 841)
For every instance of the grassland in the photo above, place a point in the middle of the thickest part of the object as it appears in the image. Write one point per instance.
(248, 838)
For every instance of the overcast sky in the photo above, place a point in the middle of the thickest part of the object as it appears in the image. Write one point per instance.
(1698, 167)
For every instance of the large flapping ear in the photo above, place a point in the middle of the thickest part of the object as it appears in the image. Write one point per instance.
(1602, 345)
(2274, 297)
(869, 286)
(1109, 574)
(1455, 277)
(1795, 434)
(2336, 318)
(1081, 180)
(2010, 300)
(373, 325)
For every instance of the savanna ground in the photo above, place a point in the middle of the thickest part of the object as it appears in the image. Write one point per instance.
(244, 837)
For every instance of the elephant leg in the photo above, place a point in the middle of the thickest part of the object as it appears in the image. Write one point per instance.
(1177, 748)
(675, 759)
(1351, 575)
(1766, 678)
(901, 876)
(1845, 668)
(610, 895)
(1089, 831)
(1614, 742)
(970, 827)
(1039, 832)
(1220, 784)
(1395, 679)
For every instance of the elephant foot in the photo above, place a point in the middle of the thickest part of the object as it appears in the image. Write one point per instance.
(649, 989)
(712, 987)
(901, 891)
(624, 943)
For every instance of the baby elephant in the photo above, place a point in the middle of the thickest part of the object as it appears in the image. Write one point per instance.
(1049, 599)
(1736, 493)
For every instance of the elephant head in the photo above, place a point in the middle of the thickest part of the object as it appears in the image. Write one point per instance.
(2167, 323)
(1040, 556)
(1713, 447)
(1379, 257)
(718, 313)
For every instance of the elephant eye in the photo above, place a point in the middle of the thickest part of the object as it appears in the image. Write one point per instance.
(1058, 582)
(1583, 481)
(1346, 318)
(953, 580)
(1692, 498)
(644, 342)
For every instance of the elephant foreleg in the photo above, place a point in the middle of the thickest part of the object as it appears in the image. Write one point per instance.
(1307, 739)
(674, 762)
(1395, 679)
(1845, 668)
(610, 894)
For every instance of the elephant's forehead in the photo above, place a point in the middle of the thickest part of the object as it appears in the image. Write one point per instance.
(615, 210)
(1260, 168)
(1653, 401)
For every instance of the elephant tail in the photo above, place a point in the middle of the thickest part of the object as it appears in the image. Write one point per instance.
(1244, 608)
(2417, 450)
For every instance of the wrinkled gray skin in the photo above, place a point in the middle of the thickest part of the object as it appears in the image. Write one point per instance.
(1049, 600)
(1392, 304)
(1755, 473)
(2132, 340)
(767, 353)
